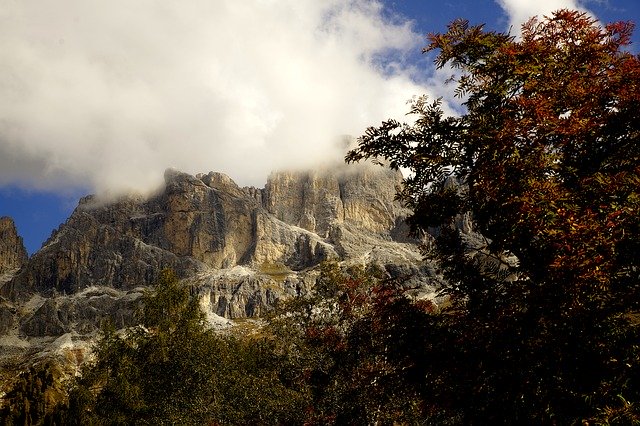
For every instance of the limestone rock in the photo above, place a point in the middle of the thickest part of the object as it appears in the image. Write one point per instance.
(82, 313)
(98, 246)
(241, 248)
(13, 256)
(12, 252)
(242, 292)
(362, 195)
(278, 242)
(310, 200)
(7, 316)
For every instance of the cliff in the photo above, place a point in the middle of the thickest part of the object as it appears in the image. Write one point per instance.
(12, 252)
(241, 249)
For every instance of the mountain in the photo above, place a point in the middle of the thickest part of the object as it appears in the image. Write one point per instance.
(241, 248)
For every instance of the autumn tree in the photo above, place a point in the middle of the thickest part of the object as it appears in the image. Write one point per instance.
(545, 164)
(357, 345)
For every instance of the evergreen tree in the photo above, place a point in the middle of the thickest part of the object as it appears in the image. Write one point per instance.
(172, 369)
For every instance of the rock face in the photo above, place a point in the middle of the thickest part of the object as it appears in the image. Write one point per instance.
(319, 200)
(240, 248)
(80, 313)
(12, 252)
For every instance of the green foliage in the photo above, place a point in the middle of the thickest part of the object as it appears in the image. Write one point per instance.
(352, 352)
(547, 164)
(154, 373)
(33, 399)
(173, 370)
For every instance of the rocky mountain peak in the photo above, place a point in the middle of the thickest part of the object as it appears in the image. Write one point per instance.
(13, 254)
(241, 248)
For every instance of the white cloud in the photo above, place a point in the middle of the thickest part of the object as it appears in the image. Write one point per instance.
(520, 11)
(108, 94)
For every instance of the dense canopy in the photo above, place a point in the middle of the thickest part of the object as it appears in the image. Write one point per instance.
(546, 165)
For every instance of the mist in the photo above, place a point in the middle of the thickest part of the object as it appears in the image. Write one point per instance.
(107, 95)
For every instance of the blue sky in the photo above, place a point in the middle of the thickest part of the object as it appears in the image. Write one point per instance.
(103, 96)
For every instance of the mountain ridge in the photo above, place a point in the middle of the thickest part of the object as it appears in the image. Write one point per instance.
(241, 248)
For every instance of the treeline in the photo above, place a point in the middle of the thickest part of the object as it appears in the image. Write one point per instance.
(357, 351)
(352, 353)
(35, 397)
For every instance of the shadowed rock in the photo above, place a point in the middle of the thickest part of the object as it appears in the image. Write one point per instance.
(12, 252)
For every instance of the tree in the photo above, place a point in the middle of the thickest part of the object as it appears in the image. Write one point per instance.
(172, 369)
(357, 345)
(33, 397)
(159, 372)
(546, 157)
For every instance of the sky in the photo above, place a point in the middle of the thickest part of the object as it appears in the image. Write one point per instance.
(102, 97)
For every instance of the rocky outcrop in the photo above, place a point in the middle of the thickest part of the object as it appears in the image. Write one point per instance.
(244, 292)
(318, 200)
(13, 256)
(241, 249)
(208, 222)
(7, 316)
(82, 313)
(12, 252)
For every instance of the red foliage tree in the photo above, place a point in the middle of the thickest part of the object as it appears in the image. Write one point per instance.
(547, 157)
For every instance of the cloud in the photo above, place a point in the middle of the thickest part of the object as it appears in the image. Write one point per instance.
(106, 95)
(520, 11)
